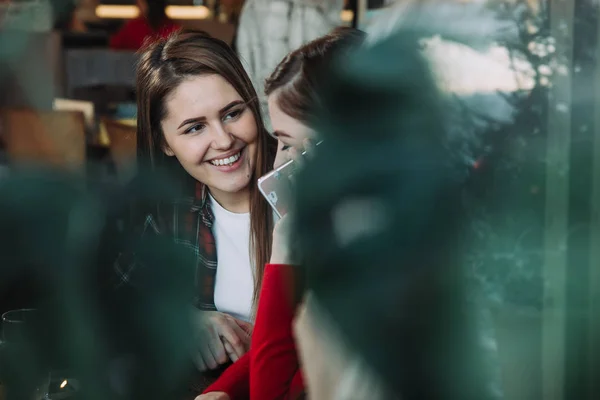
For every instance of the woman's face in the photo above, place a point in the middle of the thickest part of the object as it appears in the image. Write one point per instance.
(212, 132)
(289, 131)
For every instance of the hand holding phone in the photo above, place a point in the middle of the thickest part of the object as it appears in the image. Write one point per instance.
(276, 186)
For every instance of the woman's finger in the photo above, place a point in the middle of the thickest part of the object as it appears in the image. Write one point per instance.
(217, 349)
(230, 351)
(208, 357)
(247, 326)
(213, 396)
(309, 147)
(235, 337)
(199, 361)
(242, 334)
(297, 157)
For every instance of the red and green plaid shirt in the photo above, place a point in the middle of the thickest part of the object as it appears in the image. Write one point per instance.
(190, 224)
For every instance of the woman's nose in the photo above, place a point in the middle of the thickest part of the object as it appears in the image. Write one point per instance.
(222, 140)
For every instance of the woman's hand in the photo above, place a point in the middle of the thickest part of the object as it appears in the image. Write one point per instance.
(220, 338)
(213, 396)
(280, 253)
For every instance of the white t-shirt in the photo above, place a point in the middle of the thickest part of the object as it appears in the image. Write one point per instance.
(234, 281)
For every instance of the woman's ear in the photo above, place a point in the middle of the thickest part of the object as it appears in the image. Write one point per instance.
(167, 150)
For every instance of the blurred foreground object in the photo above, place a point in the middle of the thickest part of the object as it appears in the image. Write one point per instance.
(123, 148)
(27, 15)
(28, 379)
(382, 237)
(31, 73)
(62, 234)
(531, 158)
(329, 360)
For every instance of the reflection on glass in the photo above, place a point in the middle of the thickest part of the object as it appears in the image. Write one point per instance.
(18, 331)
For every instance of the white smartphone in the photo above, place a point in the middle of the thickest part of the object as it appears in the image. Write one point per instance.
(276, 186)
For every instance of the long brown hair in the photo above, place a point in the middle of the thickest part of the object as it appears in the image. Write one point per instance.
(297, 77)
(163, 65)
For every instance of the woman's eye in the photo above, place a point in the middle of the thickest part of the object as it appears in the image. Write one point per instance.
(233, 115)
(195, 128)
(285, 147)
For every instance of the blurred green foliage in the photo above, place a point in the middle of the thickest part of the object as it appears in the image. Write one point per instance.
(63, 234)
(381, 233)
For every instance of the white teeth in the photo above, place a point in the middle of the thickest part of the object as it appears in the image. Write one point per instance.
(227, 161)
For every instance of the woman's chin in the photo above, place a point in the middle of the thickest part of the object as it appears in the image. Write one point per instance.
(236, 186)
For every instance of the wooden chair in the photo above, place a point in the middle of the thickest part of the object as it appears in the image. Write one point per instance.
(56, 138)
(123, 148)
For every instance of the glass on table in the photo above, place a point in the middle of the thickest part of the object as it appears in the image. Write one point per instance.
(20, 374)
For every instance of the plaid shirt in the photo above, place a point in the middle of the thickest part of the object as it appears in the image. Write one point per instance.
(190, 225)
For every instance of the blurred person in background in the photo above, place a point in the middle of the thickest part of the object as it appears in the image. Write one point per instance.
(65, 16)
(232, 8)
(270, 370)
(151, 23)
(199, 123)
(270, 29)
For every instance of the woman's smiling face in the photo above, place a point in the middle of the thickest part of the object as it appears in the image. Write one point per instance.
(212, 132)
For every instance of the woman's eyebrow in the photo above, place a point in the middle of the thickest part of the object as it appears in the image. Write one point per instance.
(192, 120)
(221, 111)
(230, 106)
(279, 134)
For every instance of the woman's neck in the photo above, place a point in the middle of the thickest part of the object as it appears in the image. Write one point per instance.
(238, 202)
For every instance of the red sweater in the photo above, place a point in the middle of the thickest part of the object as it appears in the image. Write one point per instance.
(270, 369)
(134, 33)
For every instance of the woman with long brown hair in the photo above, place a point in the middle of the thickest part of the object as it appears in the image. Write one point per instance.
(199, 121)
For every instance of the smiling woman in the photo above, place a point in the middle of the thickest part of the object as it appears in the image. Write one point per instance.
(199, 122)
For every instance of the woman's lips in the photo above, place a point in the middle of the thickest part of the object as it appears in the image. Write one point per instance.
(229, 164)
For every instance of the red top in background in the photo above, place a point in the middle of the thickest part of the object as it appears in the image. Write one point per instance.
(134, 33)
